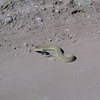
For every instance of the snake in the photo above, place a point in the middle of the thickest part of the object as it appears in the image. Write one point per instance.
(58, 52)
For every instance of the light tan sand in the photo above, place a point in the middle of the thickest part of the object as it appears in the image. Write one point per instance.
(27, 75)
(34, 77)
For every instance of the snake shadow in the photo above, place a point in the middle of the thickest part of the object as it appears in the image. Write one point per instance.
(46, 53)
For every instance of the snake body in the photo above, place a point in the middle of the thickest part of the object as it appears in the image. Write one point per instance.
(58, 51)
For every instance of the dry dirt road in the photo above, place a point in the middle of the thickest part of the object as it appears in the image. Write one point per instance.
(26, 75)
(34, 77)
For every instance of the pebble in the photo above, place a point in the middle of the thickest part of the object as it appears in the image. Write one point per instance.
(72, 3)
(25, 44)
(60, 1)
(45, 9)
(32, 44)
(67, 30)
(42, 2)
(8, 20)
(14, 48)
(9, 44)
(69, 36)
(29, 27)
(55, 2)
(38, 19)
(50, 40)
(57, 11)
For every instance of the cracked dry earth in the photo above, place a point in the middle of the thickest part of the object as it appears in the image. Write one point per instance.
(26, 75)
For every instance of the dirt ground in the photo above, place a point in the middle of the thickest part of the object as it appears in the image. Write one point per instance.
(27, 75)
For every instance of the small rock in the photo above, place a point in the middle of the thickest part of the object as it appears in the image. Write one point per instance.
(57, 11)
(8, 20)
(55, 2)
(67, 30)
(60, 1)
(25, 44)
(32, 45)
(42, 2)
(45, 9)
(14, 48)
(9, 44)
(29, 27)
(72, 3)
(69, 36)
(38, 19)
(50, 40)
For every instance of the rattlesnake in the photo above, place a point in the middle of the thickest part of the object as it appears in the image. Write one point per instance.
(59, 54)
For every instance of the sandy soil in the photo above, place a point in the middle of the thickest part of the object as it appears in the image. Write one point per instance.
(27, 75)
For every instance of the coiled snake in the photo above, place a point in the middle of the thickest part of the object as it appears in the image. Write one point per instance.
(58, 52)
